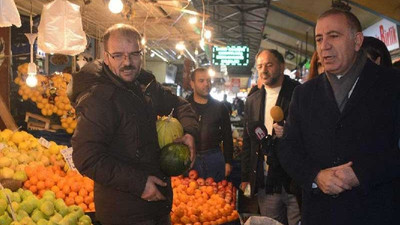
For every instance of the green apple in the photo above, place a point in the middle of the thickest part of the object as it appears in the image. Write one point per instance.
(76, 209)
(3, 206)
(15, 207)
(59, 203)
(37, 215)
(56, 218)
(85, 220)
(21, 215)
(5, 219)
(15, 197)
(26, 194)
(42, 222)
(47, 208)
(49, 194)
(64, 210)
(26, 206)
(33, 200)
(20, 175)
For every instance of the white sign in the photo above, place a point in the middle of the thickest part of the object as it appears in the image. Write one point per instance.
(45, 143)
(385, 31)
(67, 154)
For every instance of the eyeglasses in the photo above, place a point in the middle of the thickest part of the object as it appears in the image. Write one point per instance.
(123, 56)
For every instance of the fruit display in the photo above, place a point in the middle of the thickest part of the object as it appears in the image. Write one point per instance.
(175, 159)
(70, 186)
(201, 201)
(50, 95)
(29, 210)
(20, 149)
(168, 129)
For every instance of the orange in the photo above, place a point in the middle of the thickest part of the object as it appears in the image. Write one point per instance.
(33, 188)
(41, 192)
(83, 206)
(61, 184)
(60, 194)
(91, 206)
(69, 201)
(27, 184)
(34, 180)
(49, 183)
(83, 192)
(55, 189)
(78, 199)
(40, 185)
(88, 199)
(66, 189)
(72, 194)
(75, 186)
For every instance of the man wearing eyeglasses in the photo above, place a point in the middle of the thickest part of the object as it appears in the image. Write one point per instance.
(115, 142)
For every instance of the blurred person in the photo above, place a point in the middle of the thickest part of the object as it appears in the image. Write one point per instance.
(316, 67)
(340, 145)
(238, 105)
(260, 166)
(215, 128)
(115, 142)
(227, 104)
(377, 51)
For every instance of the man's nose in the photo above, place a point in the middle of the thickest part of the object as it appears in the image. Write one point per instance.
(325, 44)
(126, 60)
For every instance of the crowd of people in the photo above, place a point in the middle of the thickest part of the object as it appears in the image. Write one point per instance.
(334, 159)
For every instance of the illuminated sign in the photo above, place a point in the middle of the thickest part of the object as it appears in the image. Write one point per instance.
(385, 31)
(231, 55)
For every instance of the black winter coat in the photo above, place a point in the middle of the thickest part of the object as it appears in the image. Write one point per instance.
(319, 136)
(115, 141)
(254, 111)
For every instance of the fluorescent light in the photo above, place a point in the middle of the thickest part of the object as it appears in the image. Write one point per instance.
(115, 6)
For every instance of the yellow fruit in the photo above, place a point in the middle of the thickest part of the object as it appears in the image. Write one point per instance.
(17, 137)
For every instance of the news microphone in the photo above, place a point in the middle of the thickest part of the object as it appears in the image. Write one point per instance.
(277, 115)
(257, 130)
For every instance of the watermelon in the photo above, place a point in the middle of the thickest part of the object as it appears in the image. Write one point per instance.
(175, 159)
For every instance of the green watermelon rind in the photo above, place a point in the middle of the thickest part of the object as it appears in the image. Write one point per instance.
(169, 159)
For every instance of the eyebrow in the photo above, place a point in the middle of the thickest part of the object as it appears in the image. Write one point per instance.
(328, 33)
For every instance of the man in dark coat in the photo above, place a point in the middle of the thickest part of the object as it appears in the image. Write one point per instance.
(266, 177)
(340, 140)
(115, 142)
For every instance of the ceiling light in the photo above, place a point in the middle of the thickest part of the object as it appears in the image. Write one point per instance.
(207, 34)
(143, 41)
(180, 46)
(202, 44)
(193, 20)
(31, 80)
(115, 6)
(211, 72)
(196, 52)
(152, 54)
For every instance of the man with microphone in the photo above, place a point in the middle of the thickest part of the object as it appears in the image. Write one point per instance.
(261, 171)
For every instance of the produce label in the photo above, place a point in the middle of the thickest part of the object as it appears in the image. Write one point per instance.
(67, 154)
(45, 143)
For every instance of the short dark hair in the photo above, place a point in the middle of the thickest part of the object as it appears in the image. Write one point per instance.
(274, 52)
(352, 20)
(124, 30)
(193, 73)
(376, 48)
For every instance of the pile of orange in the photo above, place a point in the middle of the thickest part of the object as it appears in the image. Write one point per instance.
(72, 187)
(200, 204)
(50, 95)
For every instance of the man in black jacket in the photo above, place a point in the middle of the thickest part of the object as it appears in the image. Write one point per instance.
(340, 140)
(215, 128)
(260, 167)
(115, 142)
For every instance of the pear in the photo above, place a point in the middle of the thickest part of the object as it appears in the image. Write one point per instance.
(85, 220)
(15, 197)
(21, 215)
(56, 218)
(3, 206)
(42, 222)
(27, 206)
(49, 194)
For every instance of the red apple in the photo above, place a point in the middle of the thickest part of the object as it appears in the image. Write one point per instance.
(224, 182)
(200, 181)
(209, 181)
(193, 174)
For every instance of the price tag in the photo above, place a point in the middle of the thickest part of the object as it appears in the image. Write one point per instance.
(45, 143)
(2, 146)
(67, 154)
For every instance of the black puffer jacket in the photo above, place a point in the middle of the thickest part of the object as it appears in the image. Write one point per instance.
(115, 141)
(215, 127)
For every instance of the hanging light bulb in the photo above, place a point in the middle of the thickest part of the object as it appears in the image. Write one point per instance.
(193, 20)
(180, 46)
(207, 34)
(143, 41)
(211, 72)
(202, 43)
(31, 80)
(196, 52)
(115, 6)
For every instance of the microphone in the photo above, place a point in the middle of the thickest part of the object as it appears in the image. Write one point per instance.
(277, 115)
(257, 130)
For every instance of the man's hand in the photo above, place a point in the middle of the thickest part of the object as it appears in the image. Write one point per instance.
(278, 130)
(188, 140)
(347, 175)
(243, 185)
(329, 183)
(228, 169)
(151, 192)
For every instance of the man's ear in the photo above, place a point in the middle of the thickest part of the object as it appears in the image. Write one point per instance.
(359, 38)
(192, 84)
(106, 59)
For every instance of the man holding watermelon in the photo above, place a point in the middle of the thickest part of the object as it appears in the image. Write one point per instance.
(115, 142)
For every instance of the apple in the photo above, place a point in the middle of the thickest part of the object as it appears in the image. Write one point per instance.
(224, 183)
(193, 174)
(200, 181)
(209, 181)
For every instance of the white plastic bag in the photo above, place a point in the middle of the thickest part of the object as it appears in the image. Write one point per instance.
(60, 29)
(9, 14)
(261, 220)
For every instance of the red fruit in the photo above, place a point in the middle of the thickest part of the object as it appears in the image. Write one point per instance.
(200, 181)
(193, 174)
(224, 183)
(210, 181)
